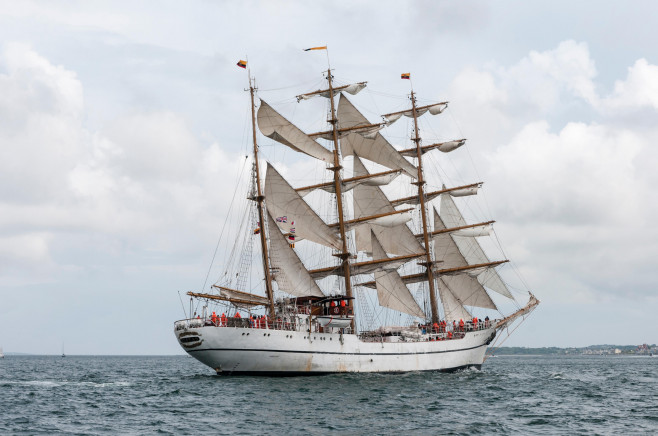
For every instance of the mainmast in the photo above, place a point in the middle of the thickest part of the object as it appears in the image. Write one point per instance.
(344, 256)
(259, 202)
(421, 196)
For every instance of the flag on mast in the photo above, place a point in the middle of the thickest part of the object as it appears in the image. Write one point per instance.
(316, 48)
(242, 64)
(405, 76)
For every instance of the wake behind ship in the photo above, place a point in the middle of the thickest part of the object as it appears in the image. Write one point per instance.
(373, 258)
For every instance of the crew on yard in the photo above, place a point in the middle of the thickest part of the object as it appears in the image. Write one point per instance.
(461, 325)
(237, 315)
(213, 318)
(475, 323)
(223, 320)
(486, 321)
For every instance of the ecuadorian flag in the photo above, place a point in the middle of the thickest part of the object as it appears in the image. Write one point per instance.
(324, 47)
(242, 64)
(405, 76)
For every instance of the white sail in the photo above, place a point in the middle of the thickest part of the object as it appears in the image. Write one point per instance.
(287, 269)
(483, 230)
(470, 247)
(434, 109)
(463, 192)
(468, 290)
(391, 291)
(445, 147)
(376, 149)
(284, 202)
(369, 201)
(353, 89)
(348, 185)
(453, 309)
(445, 248)
(275, 126)
(365, 267)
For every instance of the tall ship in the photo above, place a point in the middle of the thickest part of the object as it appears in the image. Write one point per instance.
(373, 268)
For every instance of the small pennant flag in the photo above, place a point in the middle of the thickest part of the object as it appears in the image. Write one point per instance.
(405, 76)
(242, 64)
(316, 48)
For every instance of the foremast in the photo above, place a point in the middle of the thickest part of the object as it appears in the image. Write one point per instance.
(259, 198)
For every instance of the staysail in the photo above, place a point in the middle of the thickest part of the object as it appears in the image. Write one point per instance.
(273, 125)
(470, 248)
(283, 201)
(391, 291)
(370, 200)
(377, 149)
(288, 270)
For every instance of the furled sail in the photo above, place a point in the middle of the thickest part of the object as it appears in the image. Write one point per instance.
(365, 267)
(453, 309)
(378, 179)
(353, 89)
(284, 202)
(470, 248)
(376, 149)
(369, 201)
(445, 147)
(275, 126)
(434, 109)
(391, 291)
(287, 269)
(459, 191)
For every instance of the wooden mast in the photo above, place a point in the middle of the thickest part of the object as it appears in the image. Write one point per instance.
(339, 197)
(259, 202)
(421, 196)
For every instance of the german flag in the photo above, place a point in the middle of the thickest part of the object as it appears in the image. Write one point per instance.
(316, 48)
(405, 76)
(242, 64)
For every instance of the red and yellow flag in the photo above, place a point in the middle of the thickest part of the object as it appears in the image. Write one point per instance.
(405, 76)
(324, 47)
(242, 64)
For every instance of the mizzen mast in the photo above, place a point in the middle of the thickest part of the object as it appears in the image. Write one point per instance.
(259, 198)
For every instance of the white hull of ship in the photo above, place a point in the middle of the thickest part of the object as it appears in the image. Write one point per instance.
(231, 350)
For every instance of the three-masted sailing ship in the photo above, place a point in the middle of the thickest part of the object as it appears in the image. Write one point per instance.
(437, 276)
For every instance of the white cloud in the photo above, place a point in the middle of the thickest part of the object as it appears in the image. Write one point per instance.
(574, 198)
(639, 90)
(144, 179)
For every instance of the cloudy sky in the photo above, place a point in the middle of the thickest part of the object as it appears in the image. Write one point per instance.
(122, 130)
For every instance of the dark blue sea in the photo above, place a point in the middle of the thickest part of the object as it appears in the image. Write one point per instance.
(177, 395)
